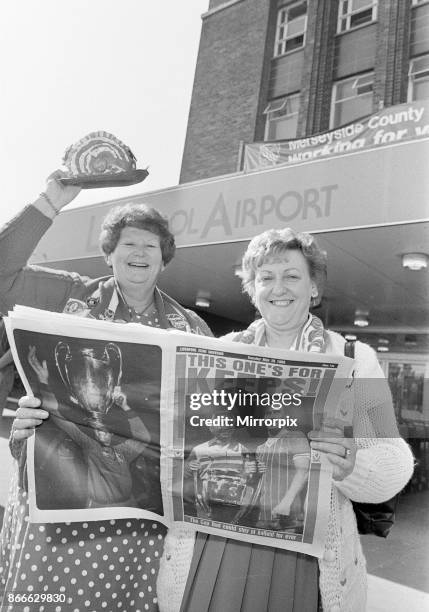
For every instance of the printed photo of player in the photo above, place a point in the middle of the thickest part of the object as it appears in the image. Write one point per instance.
(284, 458)
(222, 473)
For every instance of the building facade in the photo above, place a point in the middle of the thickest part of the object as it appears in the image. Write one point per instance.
(270, 71)
(275, 69)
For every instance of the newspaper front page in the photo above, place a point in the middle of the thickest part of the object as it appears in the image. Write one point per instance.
(178, 428)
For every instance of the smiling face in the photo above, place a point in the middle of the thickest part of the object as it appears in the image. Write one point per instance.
(283, 290)
(137, 259)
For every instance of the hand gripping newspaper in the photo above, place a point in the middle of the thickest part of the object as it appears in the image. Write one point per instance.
(175, 427)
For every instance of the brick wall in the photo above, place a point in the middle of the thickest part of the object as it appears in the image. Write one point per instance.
(393, 43)
(236, 71)
(318, 68)
(402, 52)
(225, 98)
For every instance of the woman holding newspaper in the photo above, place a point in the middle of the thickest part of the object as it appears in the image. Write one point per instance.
(102, 564)
(283, 273)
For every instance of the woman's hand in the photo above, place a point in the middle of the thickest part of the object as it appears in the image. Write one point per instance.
(341, 452)
(28, 416)
(60, 195)
(41, 369)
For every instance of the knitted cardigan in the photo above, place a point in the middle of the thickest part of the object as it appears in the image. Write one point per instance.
(384, 464)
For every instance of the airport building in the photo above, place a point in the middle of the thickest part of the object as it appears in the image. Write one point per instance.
(312, 114)
(274, 69)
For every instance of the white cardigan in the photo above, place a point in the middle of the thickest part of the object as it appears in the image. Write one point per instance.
(384, 464)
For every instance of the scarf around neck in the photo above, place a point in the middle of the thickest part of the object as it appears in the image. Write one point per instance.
(310, 338)
(104, 303)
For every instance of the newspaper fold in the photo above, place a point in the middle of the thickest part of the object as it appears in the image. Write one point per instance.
(176, 427)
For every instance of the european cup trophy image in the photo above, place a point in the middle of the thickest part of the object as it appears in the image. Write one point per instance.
(90, 377)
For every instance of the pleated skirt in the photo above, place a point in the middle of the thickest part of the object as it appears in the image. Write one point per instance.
(234, 576)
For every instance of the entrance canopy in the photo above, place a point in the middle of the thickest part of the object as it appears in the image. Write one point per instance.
(367, 208)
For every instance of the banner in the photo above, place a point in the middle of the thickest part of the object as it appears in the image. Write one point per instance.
(177, 427)
(390, 125)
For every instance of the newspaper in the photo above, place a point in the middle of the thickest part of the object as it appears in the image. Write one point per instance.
(175, 427)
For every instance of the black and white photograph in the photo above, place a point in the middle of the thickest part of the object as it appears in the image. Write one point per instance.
(101, 446)
(221, 475)
(247, 172)
(240, 479)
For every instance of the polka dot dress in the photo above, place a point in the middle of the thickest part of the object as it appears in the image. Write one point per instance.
(95, 566)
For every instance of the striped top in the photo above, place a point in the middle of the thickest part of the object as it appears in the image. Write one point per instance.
(278, 455)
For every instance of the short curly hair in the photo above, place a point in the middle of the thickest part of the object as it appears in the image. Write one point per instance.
(140, 216)
(272, 243)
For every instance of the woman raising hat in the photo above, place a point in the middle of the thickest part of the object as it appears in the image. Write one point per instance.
(104, 564)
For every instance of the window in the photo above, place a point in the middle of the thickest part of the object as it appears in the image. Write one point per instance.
(418, 78)
(282, 118)
(352, 99)
(354, 13)
(291, 27)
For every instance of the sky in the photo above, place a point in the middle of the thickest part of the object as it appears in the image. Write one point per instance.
(71, 68)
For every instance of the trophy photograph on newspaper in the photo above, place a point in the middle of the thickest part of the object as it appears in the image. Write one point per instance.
(101, 444)
(178, 428)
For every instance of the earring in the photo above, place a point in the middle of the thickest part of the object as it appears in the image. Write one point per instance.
(314, 294)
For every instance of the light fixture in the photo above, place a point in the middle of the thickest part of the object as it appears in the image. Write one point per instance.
(361, 321)
(361, 318)
(202, 302)
(350, 337)
(415, 261)
(383, 345)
